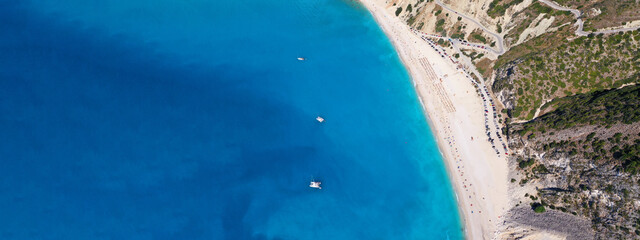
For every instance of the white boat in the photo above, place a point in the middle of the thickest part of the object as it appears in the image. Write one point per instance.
(301, 59)
(315, 185)
(320, 119)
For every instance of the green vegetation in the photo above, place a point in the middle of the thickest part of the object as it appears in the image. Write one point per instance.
(398, 11)
(549, 67)
(456, 31)
(630, 157)
(443, 43)
(538, 208)
(411, 20)
(600, 108)
(457, 35)
(472, 54)
(496, 9)
(587, 119)
(542, 8)
(479, 38)
(523, 19)
(409, 9)
(523, 164)
(484, 67)
(613, 13)
(439, 25)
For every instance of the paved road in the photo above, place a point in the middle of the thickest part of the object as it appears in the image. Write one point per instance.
(501, 50)
(497, 36)
(580, 23)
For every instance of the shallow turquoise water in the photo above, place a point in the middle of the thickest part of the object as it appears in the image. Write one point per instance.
(194, 120)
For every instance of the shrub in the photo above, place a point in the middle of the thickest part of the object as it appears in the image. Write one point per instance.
(479, 38)
(526, 163)
(590, 136)
(538, 208)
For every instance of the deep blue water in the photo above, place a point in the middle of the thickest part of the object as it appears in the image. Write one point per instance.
(161, 119)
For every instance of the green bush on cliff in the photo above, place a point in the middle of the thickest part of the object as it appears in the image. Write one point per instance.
(538, 208)
(630, 157)
(526, 163)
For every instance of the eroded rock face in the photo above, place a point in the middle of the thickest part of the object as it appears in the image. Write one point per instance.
(559, 223)
(502, 86)
(571, 184)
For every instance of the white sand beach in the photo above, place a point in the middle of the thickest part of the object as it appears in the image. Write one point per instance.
(457, 116)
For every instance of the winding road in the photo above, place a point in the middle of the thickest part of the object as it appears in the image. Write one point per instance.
(468, 62)
(580, 23)
(497, 36)
(501, 50)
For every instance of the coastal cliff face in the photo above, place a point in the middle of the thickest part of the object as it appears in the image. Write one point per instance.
(582, 158)
(567, 88)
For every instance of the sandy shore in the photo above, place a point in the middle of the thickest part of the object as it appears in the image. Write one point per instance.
(456, 116)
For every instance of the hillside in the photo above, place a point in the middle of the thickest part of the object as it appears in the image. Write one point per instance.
(605, 14)
(543, 69)
(583, 158)
(564, 75)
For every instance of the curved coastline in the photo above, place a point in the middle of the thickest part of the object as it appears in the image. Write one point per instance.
(411, 50)
(413, 76)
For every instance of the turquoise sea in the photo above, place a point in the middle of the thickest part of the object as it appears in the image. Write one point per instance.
(193, 119)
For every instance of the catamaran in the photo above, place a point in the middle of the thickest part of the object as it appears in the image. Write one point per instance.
(315, 185)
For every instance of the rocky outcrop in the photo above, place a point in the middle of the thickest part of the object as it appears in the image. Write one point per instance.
(502, 85)
(558, 223)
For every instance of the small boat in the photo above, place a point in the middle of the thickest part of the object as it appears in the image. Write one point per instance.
(315, 185)
(320, 119)
(301, 59)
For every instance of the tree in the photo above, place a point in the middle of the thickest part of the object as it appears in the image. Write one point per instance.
(539, 209)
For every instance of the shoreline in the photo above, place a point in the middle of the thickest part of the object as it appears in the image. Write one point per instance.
(446, 102)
